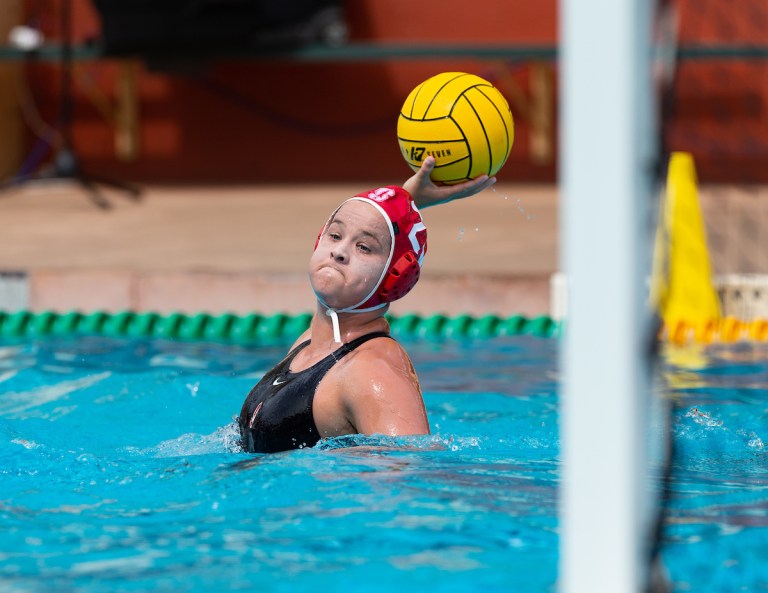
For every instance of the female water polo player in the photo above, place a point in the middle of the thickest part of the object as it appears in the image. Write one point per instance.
(345, 374)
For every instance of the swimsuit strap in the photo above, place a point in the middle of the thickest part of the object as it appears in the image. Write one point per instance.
(292, 354)
(350, 346)
(337, 354)
(286, 362)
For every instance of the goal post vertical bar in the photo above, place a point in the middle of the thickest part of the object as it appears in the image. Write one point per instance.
(607, 158)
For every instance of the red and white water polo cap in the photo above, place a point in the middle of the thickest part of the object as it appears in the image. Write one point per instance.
(408, 237)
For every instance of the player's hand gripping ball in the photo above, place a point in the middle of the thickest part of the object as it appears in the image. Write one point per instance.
(460, 119)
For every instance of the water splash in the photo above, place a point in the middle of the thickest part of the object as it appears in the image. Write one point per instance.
(755, 442)
(432, 442)
(223, 440)
(25, 443)
(518, 205)
(522, 210)
(703, 418)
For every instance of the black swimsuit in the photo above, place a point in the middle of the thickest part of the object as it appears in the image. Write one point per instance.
(277, 414)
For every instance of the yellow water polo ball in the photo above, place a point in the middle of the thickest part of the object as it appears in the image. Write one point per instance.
(460, 119)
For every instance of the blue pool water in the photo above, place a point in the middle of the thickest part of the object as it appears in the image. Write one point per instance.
(119, 471)
(716, 537)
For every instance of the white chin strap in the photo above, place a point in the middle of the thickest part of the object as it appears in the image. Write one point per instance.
(335, 321)
(334, 315)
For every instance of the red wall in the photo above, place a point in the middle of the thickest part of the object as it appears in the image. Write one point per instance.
(720, 111)
(291, 121)
(271, 121)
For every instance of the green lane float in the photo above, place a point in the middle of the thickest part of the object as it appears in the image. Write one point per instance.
(254, 328)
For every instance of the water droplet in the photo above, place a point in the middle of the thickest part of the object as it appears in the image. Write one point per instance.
(477, 228)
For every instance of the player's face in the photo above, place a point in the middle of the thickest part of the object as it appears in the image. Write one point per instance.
(350, 256)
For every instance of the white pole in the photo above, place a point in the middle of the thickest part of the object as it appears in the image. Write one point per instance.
(606, 168)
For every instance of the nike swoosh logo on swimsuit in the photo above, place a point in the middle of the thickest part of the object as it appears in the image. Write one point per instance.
(277, 381)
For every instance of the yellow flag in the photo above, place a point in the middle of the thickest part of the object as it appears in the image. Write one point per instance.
(682, 288)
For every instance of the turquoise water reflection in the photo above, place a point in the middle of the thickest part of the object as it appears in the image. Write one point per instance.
(120, 471)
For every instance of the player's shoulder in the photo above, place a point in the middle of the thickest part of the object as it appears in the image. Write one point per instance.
(379, 370)
(382, 349)
(376, 357)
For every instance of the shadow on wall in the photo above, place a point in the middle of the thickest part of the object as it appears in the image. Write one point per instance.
(227, 121)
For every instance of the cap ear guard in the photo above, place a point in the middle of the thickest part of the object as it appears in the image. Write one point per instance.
(401, 278)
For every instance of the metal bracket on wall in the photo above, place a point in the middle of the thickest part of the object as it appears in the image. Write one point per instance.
(536, 106)
(122, 112)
